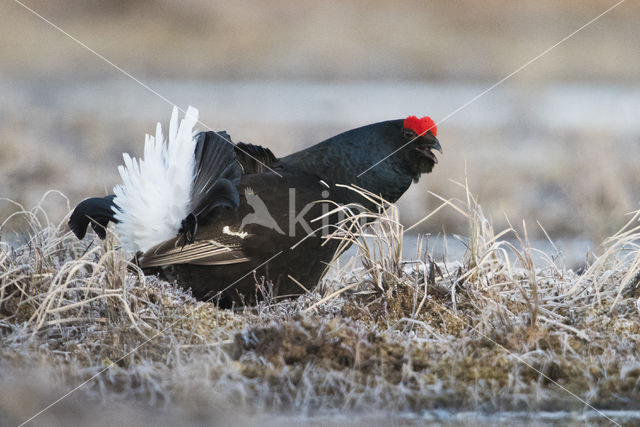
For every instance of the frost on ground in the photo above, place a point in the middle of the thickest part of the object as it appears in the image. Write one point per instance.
(490, 332)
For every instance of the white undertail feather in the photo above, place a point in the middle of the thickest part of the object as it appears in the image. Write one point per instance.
(155, 193)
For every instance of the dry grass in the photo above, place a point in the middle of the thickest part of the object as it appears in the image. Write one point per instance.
(488, 332)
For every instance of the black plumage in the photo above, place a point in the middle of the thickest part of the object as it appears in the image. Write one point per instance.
(96, 211)
(227, 242)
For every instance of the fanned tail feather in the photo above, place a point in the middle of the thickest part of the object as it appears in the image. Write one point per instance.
(155, 194)
(217, 175)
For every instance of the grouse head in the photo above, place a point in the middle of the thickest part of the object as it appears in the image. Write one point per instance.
(419, 141)
(383, 157)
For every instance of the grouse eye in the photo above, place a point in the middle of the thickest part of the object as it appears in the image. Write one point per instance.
(409, 134)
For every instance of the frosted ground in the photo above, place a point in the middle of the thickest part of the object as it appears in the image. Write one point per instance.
(492, 335)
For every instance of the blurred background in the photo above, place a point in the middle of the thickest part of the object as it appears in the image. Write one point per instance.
(558, 143)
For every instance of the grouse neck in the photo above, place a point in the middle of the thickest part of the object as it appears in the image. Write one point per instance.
(343, 158)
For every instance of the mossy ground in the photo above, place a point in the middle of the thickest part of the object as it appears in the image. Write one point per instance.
(484, 333)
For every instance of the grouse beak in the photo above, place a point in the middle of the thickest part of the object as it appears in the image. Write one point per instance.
(425, 150)
(436, 145)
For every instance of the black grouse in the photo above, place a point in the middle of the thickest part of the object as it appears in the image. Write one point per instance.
(219, 216)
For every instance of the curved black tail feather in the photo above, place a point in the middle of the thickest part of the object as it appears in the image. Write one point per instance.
(96, 211)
